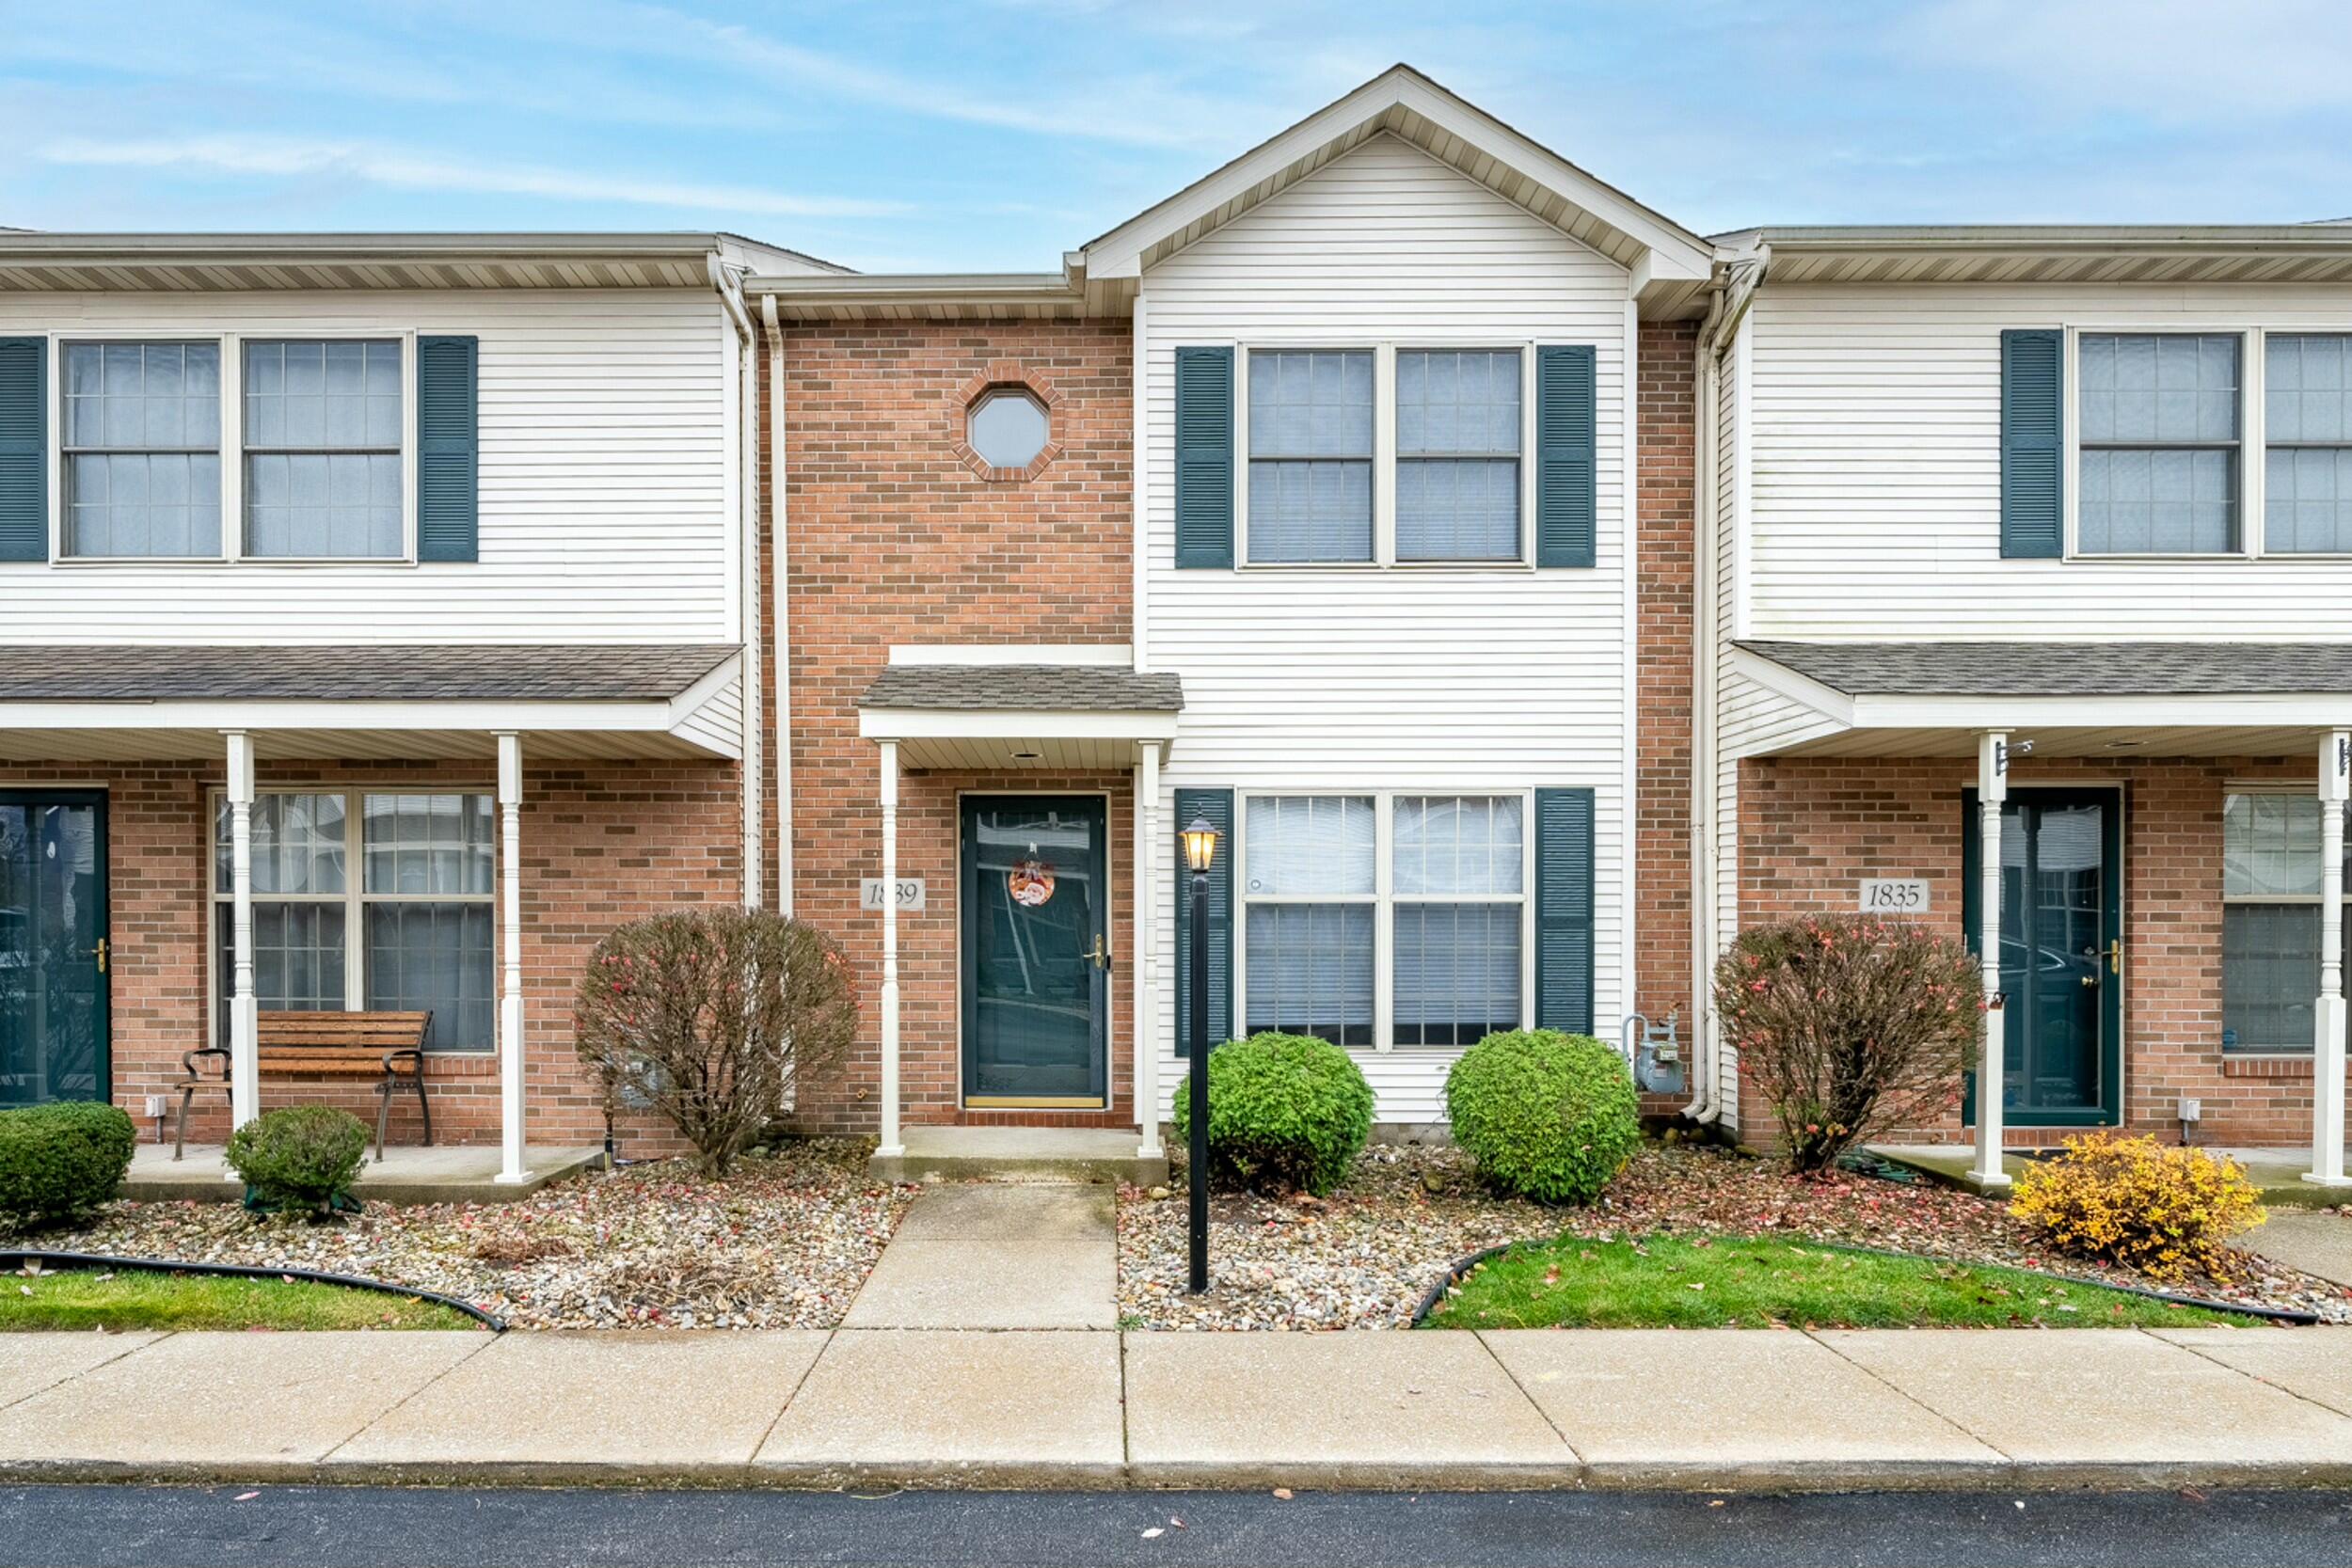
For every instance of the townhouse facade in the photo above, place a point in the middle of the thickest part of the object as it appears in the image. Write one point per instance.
(1529, 590)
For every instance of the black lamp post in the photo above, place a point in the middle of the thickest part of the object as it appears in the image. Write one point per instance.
(1200, 854)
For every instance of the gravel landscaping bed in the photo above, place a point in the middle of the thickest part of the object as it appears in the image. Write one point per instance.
(784, 1242)
(1364, 1257)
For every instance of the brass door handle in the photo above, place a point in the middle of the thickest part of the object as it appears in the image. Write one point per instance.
(1100, 956)
(2115, 957)
(100, 951)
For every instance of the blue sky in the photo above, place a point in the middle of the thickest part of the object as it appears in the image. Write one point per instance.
(993, 134)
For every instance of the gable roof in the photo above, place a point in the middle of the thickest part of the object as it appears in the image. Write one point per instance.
(1669, 263)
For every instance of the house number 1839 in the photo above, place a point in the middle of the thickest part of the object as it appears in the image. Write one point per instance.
(910, 893)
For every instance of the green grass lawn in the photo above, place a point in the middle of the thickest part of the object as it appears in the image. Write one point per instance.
(81, 1299)
(1734, 1282)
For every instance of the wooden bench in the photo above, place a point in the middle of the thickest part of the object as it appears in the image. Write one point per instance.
(387, 1046)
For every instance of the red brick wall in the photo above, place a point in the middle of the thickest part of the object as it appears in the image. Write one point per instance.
(602, 843)
(1810, 828)
(894, 537)
(1666, 446)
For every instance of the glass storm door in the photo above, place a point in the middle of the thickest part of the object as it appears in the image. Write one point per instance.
(53, 962)
(2061, 962)
(1036, 950)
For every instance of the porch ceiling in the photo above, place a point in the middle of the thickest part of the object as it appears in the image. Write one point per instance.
(2096, 741)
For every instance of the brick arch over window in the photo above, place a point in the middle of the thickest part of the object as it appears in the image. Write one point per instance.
(1001, 374)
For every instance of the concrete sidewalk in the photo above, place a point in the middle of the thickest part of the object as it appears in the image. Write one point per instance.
(1087, 1408)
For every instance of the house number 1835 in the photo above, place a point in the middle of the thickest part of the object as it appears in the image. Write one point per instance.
(1894, 895)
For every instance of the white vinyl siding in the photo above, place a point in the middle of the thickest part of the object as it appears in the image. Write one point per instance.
(1876, 462)
(1435, 680)
(609, 503)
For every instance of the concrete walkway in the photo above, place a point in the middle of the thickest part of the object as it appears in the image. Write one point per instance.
(1082, 1407)
(998, 1256)
(2316, 1242)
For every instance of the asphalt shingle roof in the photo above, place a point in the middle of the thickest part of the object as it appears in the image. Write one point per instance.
(2067, 668)
(1042, 688)
(599, 673)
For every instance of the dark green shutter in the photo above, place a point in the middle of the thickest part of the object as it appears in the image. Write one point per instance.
(1567, 417)
(2033, 378)
(1204, 457)
(449, 448)
(1215, 807)
(24, 449)
(1564, 910)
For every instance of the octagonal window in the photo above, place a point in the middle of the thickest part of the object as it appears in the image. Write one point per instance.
(1007, 427)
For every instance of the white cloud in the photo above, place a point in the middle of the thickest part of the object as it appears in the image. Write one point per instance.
(1148, 109)
(293, 157)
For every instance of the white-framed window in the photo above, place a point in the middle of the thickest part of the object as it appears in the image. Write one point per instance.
(323, 449)
(1385, 454)
(2231, 442)
(2158, 418)
(139, 448)
(2271, 919)
(2307, 453)
(219, 448)
(367, 900)
(1385, 919)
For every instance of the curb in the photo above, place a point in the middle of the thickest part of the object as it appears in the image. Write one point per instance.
(1689, 1475)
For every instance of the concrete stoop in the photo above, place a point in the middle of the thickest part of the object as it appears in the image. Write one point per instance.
(1020, 1154)
(444, 1173)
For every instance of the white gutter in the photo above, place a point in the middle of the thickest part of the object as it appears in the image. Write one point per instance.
(729, 284)
(1715, 334)
(783, 601)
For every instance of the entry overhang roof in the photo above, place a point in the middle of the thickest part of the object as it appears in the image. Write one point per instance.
(2068, 669)
(2071, 699)
(120, 701)
(1035, 688)
(992, 714)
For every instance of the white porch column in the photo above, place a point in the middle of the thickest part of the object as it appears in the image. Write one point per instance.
(244, 1064)
(891, 1143)
(1992, 790)
(1147, 1010)
(511, 1167)
(2335, 775)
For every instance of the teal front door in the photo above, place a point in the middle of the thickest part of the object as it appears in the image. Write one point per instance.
(2061, 954)
(1036, 951)
(53, 957)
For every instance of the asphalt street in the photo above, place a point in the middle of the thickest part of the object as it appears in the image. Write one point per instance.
(152, 1527)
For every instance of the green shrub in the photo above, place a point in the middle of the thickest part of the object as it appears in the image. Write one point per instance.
(1547, 1115)
(1285, 1111)
(56, 1160)
(300, 1157)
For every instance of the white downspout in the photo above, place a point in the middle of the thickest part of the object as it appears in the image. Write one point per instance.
(783, 595)
(1715, 334)
(1705, 1105)
(729, 283)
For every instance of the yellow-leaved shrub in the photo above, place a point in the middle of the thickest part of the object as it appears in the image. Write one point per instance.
(2166, 1212)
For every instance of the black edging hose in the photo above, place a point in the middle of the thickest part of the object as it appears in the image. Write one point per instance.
(18, 1257)
(1453, 1276)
